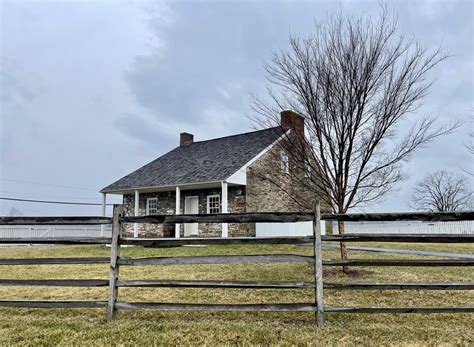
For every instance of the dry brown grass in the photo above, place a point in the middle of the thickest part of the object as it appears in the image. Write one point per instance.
(88, 326)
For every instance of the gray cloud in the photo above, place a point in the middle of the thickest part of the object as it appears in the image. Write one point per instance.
(143, 131)
(211, 44)
(91, 91)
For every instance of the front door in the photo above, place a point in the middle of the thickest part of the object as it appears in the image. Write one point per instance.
(191, 206)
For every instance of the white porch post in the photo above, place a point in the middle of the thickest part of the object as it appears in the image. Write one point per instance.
(104, 205)
(135, 225)
(224, 208)
(178, 208)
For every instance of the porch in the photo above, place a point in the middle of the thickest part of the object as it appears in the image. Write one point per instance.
(201, 198)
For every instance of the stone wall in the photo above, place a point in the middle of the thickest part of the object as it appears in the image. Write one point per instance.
(167, 203)
(271, 190)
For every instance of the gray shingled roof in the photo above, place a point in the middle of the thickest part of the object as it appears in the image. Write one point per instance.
(202, 161)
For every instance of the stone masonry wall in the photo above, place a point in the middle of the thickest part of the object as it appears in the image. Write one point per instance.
(271, 190)
(166, 205)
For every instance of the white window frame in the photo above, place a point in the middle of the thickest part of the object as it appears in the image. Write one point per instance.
(284, 162)
(209, 197)
(148, 206)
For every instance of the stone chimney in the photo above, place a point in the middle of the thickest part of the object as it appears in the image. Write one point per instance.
(292, 120)
(185, 139)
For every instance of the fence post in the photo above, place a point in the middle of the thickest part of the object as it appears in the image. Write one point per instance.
(114, 266)
(318, 266)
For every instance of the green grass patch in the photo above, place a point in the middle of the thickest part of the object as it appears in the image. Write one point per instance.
(89, 326)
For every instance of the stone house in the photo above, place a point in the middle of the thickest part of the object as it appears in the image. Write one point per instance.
(229, 174)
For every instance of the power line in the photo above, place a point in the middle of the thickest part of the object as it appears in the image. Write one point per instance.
(55, 202)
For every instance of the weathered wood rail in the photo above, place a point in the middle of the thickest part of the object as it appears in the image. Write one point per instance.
(73, 220)
(318, 285)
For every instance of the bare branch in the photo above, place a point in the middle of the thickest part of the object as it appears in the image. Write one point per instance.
(442, 191)
(356, 83)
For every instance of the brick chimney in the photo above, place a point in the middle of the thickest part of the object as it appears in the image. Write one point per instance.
(185, 139)
(292, 120)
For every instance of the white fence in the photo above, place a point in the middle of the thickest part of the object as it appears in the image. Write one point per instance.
(34, 231)
(401, 227)
(286, 229)
(262, 229)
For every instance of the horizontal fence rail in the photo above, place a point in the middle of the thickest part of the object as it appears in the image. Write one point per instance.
(419, 238)
(266, 217)
(57, 240)
(401, 216)
(294, 285)
(169, 242)
(273, 217)
(445, 309)
(296, 307)
(115, 261)
(401, 286)
(80, 220)
(157, 242)
(53, 303)
(54, 261)
(56, 283)
(400, 262)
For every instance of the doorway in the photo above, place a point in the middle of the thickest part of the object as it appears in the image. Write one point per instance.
(191, 206)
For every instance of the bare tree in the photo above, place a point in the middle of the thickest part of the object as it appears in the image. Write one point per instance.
(356, 83)
(442, 191)
(14, 212)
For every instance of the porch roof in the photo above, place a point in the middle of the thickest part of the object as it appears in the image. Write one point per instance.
(198, 162)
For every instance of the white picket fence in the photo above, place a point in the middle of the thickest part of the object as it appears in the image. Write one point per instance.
(402, 227)
(399, 227)
(286, 229)
(262, 229)
(34, 231)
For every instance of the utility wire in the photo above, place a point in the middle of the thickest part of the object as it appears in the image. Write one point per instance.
(55, 202)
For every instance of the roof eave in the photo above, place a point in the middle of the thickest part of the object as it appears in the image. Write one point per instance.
(197, 185)
(237, 177)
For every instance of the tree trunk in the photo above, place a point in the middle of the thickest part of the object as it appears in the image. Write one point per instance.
(342, 231)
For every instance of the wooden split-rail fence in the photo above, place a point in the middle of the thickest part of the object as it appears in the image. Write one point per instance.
(115, 282)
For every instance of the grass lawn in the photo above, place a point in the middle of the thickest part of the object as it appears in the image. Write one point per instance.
(89, 326)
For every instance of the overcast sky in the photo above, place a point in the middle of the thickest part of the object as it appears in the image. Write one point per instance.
(91, 90)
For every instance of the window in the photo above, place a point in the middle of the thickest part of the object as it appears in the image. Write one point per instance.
(285, 164)
(213, 204)
(151, 206)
